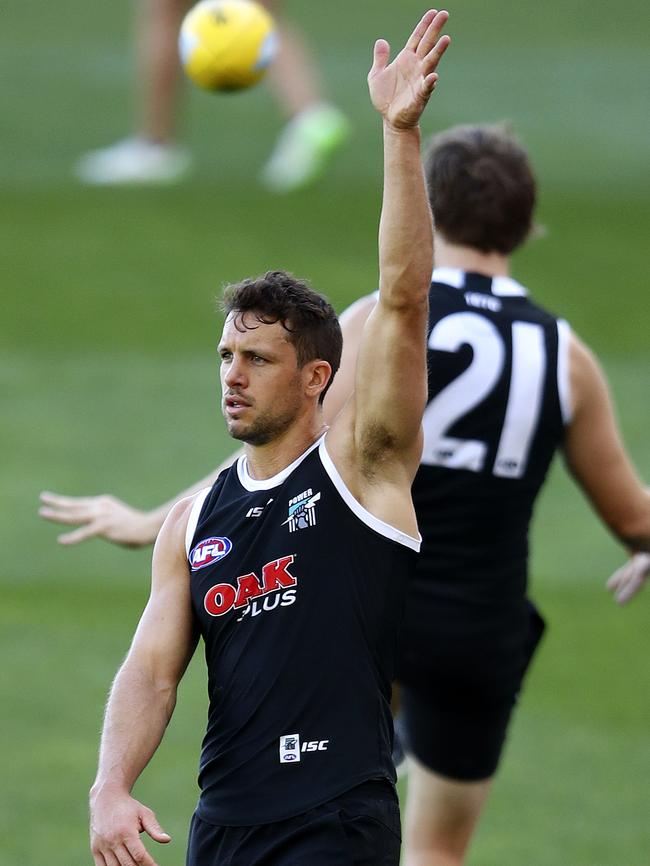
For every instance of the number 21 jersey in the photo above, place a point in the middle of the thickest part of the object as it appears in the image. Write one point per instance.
(497, 409)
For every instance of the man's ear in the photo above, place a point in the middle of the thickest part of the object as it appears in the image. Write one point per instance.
(316, 375)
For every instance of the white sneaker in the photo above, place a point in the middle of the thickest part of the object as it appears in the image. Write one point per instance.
(133, 161)
(305, 147)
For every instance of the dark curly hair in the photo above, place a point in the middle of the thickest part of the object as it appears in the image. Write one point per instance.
(309, 319)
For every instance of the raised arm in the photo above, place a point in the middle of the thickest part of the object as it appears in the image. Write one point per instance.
(377, 436)
(596, 457)
(141, 703)
(391, 367)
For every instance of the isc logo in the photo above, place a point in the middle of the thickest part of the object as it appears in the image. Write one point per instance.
(290, 749)
(315, 746)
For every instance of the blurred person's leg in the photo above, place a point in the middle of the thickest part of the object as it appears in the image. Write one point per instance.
(159, 72)
(151, 156)
(440, 817)
(316, 128)
(314, 131)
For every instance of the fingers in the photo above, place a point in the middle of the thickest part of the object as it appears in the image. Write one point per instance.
(71, 509)
(380, 58)
(95, 516)
(139, 854)
(58, 501)
(91, 530)
(123, 857)
(429, 85)
(151, 826)
(416, 37)
(134, 855)
(431, 60)
(130, 853)
(69, 516)
(431, 33)
(628, 580)
(109, 859)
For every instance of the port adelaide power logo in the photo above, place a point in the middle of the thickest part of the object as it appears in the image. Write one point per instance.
(302, 510)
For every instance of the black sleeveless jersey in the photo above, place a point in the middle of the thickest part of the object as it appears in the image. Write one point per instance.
(496, 413)
(298, 593)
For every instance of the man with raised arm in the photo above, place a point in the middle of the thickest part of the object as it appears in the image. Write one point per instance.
(449, 648)
(293, 566)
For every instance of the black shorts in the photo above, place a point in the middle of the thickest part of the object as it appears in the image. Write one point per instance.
(359, 828)
(457, 693)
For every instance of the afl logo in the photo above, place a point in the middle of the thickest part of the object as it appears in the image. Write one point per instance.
(209, 551)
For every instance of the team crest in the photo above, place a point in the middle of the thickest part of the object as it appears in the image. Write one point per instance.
(302, 510)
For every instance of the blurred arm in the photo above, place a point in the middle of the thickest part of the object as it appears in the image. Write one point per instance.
(596, 457)
(142, 700)
(110, 518)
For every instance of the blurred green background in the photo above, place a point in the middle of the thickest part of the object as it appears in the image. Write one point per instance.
(109, 383)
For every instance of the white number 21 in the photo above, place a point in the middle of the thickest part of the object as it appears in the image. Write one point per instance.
(474, 384)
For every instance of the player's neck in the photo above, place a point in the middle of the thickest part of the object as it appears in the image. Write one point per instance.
(265, 461)
(448, 255)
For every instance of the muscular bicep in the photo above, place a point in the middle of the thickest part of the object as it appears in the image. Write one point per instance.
(166, 636)
(390, 383)
(596, 455)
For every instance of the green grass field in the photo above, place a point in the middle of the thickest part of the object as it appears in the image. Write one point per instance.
(109, 383)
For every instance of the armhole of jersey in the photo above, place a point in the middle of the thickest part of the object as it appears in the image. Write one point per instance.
(199, 499)
(385, 529)
(563, 375)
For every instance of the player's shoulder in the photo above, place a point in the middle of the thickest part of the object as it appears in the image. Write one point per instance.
(498, 295)
(585, 367)
(182, 516)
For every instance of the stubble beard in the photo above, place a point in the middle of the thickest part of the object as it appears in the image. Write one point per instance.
(265, 428)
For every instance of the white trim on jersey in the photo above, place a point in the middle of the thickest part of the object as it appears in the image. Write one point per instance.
(252, 484)
(563, 377)
(357, 508)
(449, 276)
(506, 287)
(199, 499)
(503, 287)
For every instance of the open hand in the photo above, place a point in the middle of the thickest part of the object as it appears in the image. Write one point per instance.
(401, 90)
(98, 517)
(628, 580)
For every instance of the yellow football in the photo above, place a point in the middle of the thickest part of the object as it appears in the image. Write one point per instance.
(227, 44)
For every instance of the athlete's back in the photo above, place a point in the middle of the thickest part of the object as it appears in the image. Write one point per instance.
(497, 406)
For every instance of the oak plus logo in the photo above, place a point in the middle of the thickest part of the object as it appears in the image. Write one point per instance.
(302, 510)
(252, 594)
(209, 551)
